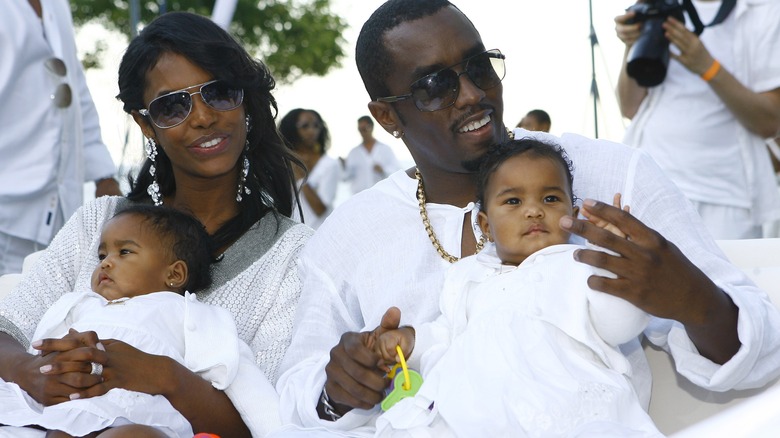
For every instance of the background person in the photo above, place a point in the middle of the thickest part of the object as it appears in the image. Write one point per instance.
(307, 135)
(536, 120)
(705, 124)
(369, 162)
(51, 139)
(431, 78)
(206, 108)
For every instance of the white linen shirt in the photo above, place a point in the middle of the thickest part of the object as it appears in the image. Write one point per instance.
(359, 165)
(47, 152)
(374, 253)
(738, 175)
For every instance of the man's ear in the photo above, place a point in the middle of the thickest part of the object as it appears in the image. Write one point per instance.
(385, 115)
(144, 124)
(484, 225)
(176, 275)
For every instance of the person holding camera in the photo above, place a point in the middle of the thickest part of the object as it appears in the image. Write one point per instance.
(703, 115)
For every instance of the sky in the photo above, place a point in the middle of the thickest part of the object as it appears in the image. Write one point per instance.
(548, 64)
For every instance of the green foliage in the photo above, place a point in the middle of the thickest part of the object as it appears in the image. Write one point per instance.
(293, 37)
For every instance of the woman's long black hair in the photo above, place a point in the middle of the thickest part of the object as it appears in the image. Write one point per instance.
(208, 46)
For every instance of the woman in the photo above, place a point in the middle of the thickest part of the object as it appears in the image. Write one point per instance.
(213, 150)
(307, 135)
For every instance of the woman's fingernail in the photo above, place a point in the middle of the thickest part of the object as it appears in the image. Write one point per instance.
(74, 396)
(100, 346)
(45, 369)
(36, 344)
(566, 222)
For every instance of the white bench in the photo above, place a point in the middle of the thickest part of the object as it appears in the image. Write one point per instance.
(676, 403)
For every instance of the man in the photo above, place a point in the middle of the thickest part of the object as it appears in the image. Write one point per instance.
(370, 161)
(705, 124)
(390, 245)
(51, 136)
(536, 120)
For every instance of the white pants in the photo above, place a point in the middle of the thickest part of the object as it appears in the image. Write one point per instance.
(726, 222)
(13, 250)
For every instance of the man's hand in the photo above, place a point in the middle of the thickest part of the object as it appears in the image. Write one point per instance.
(353, 378)
(654, 275)
(628, 33)
(693, 55)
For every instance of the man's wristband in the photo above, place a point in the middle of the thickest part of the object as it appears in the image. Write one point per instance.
(328, 408)
(712, 71)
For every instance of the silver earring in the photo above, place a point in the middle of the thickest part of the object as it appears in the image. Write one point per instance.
(248, 120)
(398, 134)
(244, 173)
(154, 189)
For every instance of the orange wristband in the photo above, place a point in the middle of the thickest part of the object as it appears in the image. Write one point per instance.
(712, 71)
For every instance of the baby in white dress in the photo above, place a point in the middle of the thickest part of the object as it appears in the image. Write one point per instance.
(149, 257)
(523, 346)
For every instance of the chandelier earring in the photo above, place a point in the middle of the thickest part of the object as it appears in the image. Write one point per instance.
(154, 189)
(242, 187)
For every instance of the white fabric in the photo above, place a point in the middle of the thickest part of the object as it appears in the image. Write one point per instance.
(707, 152)
(374, 253)
(359, 165)
(324, 180)
(534, 328)
(201, 337)
(48, 152)
(727, 221)
(261, 298)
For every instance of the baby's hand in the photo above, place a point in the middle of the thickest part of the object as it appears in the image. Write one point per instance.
(385, 343)
(608, 225)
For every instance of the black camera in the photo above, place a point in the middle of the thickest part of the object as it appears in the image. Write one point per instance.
(649, 57)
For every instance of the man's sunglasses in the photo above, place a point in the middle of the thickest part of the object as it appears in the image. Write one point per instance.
(440, 90)
(172, 109)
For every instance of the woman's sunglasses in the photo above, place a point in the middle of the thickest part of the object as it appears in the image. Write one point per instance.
(172, 109)
(440, 90)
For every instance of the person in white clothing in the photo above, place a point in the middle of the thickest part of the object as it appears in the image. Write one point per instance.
(431, 79)
(706, 122)
(307, 134)
(51, 143)
(369, 162)
(528, 347)
(150, 257)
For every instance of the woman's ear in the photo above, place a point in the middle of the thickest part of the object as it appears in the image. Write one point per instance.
(143, 123)
(484, 225)
(176, 275)
(575, 211)
(385, 115)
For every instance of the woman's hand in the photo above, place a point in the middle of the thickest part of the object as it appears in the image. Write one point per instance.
(62, 368)
(129, 368)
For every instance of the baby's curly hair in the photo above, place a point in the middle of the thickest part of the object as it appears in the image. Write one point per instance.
(184, 236)
(501, 152)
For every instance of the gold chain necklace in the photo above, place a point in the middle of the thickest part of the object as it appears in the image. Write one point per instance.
(427, 223)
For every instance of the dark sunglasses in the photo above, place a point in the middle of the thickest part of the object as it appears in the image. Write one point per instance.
(440, 90)
(172, 109)
(63, 95)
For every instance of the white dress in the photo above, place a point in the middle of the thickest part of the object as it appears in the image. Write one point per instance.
(525, 351)
(324, 180)
(201, 337)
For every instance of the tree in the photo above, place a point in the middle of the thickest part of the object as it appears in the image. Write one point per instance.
(293, 37)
